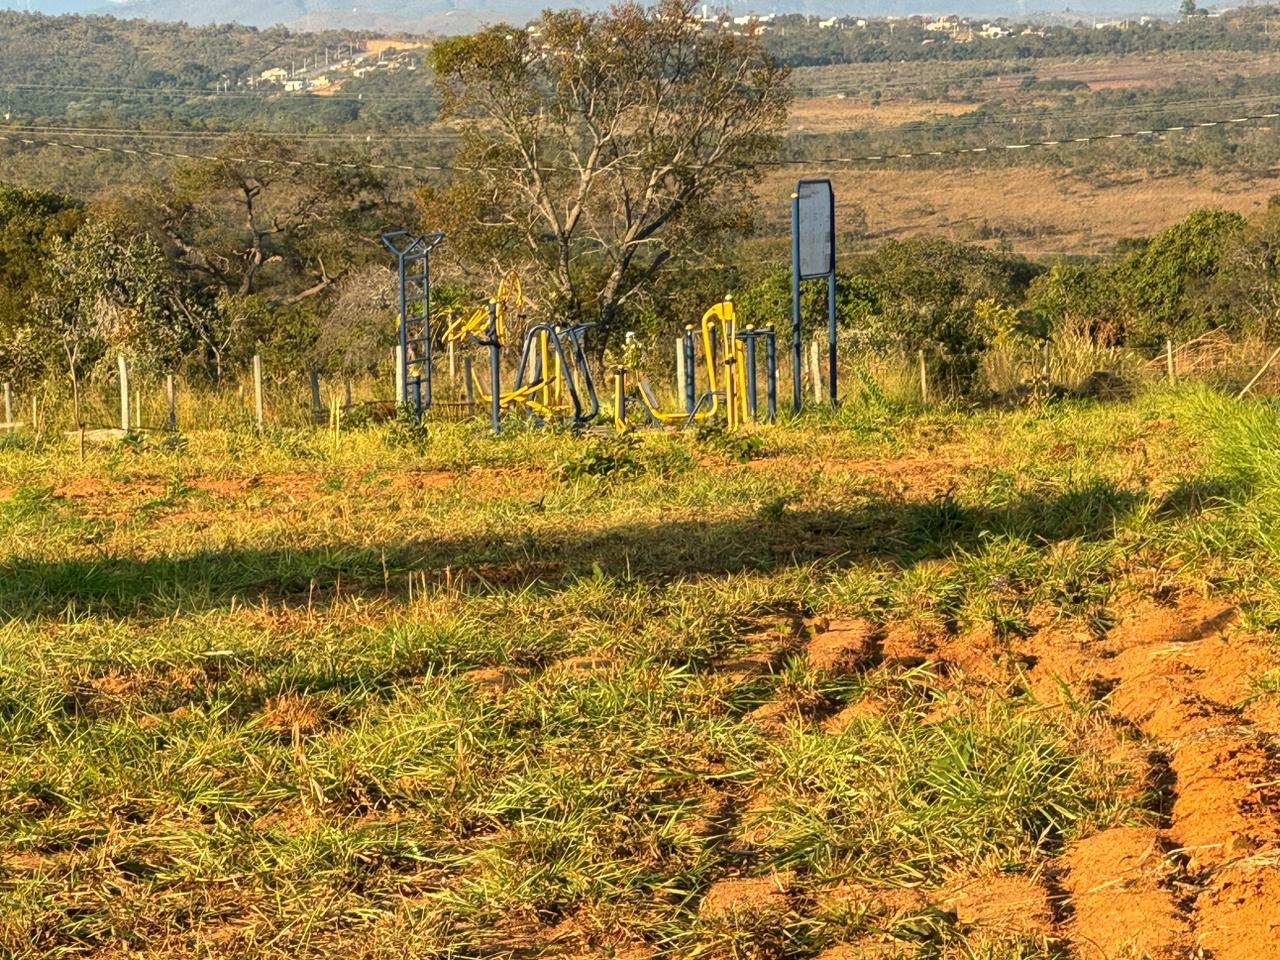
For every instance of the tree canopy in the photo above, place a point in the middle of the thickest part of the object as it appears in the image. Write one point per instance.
(603, 147)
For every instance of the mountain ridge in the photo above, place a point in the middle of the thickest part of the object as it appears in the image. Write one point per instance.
(449, 16)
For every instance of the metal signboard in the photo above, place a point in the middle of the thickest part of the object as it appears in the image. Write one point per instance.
(815, 228)
(813, 257)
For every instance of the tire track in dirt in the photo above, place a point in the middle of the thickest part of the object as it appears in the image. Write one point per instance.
(1206, 883)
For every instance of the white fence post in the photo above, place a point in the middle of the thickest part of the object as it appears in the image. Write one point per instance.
(123, 365)
(8, 403)
(815, 371)
(399, 362)
(257, 388)
(679, 370)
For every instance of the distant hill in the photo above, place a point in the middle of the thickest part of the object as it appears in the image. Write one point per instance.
(458, 16)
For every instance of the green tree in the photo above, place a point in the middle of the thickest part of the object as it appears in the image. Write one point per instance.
(31, 222)
(602, 148)
(263, 229)
(768, 300)
(931, 289)
(112, 291)
(1168, 281)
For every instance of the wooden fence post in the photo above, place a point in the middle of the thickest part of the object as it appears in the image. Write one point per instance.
(317, 410)
(8, 403)
(679, 370)
(399, 362)
(469, 383)
(453, 365)
(123, 366)
(171, 398)
(815, 371)
(257, 388)
(1168, 359)
(924, 377)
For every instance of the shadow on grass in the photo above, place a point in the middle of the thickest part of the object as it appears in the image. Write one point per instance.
(900, 533)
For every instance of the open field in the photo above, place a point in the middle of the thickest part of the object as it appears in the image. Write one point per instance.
(982, 80)
(883, 683)
(1042, 209)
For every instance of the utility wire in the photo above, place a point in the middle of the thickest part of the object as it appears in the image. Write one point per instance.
(17, 137)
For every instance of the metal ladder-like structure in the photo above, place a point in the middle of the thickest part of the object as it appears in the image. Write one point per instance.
(413, 269)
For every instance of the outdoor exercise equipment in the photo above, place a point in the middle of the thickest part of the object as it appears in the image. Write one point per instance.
(552, 379)
(413, 359)
(729, 358)
(813, 257)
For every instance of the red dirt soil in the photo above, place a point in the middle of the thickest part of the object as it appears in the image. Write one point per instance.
(844, 646)
(1003, 903)
(1239, 913)
(1228, 802)
(1123, 906)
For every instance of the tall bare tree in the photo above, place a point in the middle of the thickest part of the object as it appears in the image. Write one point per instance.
(601, 148)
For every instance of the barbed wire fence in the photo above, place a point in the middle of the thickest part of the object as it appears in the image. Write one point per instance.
(120, 401)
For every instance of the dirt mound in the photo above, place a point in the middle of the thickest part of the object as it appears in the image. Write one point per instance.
(905, 644)
(1120, 898)
(1146, 624)
(844, 646)
(745, 895)
(1176, 676)
(1005, 903)
(851, 714)
(774, 715)
(1238, 916)
(1228, 801)
(887, 903)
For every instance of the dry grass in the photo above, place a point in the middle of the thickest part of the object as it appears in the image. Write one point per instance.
(284, 696)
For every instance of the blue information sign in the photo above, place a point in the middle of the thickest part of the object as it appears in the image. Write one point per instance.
(813, 257)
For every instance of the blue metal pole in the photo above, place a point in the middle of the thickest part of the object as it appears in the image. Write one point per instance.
(797, 348)
(495, 370)
(424, 403)
(404, 333)
(831, 333)
(751, 374)
(771, 373)
(690, 374)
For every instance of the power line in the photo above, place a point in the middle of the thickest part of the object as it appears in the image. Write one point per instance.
(205, 94)
(997, 148)
(1189, 127)
(205, 135)
(266, 161)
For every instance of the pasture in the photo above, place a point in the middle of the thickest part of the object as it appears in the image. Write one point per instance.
(878, 682)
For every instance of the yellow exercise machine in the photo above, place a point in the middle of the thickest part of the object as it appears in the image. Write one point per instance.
(729, 357)
(552, 379)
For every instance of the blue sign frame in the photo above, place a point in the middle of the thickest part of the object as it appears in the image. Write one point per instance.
(813, 256)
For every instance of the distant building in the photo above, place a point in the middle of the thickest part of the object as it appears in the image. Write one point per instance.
(293, 86)
(274, 75)
(383, 45)
(828, 23)
(993, 31)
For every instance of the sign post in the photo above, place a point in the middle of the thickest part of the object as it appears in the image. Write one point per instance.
(813, 257)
